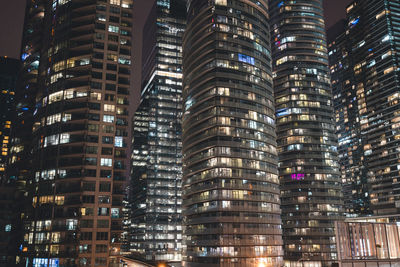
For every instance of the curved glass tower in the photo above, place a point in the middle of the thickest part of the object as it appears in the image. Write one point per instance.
(231, 187)
(308, 171)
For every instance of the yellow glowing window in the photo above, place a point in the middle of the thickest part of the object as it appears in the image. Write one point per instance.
(59, 200)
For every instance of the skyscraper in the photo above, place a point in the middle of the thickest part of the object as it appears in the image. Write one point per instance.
(349, 111)
(365, 71)
(231, 187)
(9, 69)
(308, 169)
(156, 186)
(73, 110)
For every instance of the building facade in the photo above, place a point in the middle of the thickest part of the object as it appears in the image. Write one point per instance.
(365, 66)
(350, 110)
(308, 168)
(71, 135)
(231, 189)
(9, 69)
(155, 231)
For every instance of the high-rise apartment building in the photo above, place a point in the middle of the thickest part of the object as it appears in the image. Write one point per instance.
(348, 128)
(231, 203)
(155, 200)
(9, 69)
(364, 60)
(70, 142)
(308, 169)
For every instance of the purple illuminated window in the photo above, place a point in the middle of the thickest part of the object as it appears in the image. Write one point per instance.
(297, 176)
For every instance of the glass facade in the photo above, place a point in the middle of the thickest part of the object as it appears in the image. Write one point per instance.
(231, 202)
(72, 130)
(155, 232)
(365, 74)
(308, 168)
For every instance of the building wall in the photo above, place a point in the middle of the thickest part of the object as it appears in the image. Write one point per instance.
(231, 189)
(9, 69)
(364, 66)
(156, 185)
(308, 164)
(73, 109)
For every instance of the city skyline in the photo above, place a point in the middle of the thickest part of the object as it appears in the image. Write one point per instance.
(191, 133)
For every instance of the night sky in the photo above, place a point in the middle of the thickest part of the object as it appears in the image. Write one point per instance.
(12, 13)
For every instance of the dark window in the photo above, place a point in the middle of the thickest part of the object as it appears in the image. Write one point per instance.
(105, 187)
(110, 87)
(89, 186)
(114, 19)
(106, 151)
(112, 67)
(113, 38)
(103, 223)
(90, 173)
(111, 77)
(91, 149)
(86, 223)
(92, 138)
(100, 26)
(87, 199)
(101, 248)
(114, 9)
(97, 75)
(86, 235)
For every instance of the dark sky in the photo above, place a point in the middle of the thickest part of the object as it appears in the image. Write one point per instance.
(11, 21)
(334, 10)
(12, 13)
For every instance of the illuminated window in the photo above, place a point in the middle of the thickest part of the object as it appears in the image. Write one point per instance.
(112, 28)
(109, 108)
(106, 162)
(108, 118)
(119, 141)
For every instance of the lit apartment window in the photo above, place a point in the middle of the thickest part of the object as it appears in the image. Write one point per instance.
(106, 162)
(108, 118)
(112, 28)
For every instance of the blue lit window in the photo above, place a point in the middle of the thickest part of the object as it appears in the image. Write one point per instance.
(246, 59)
(282, 112)
(119, 141)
